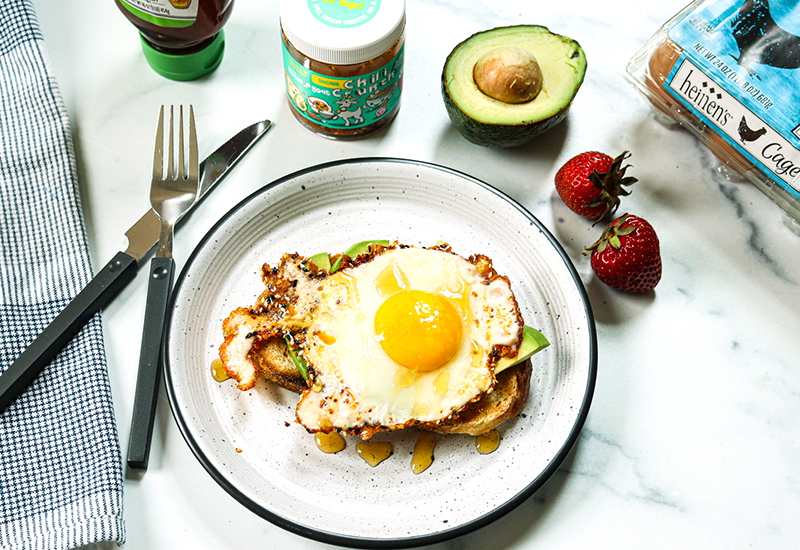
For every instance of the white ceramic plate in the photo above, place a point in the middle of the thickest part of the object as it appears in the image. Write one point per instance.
(248, 441)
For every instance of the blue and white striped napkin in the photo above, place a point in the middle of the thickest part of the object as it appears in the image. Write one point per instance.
(60, 462)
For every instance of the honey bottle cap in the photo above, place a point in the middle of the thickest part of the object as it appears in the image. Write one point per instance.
(186, 66)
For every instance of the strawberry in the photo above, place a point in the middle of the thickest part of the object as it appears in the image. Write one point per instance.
(627, 255)
(591, 183)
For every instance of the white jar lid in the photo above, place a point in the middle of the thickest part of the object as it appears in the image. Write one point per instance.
(342, 32)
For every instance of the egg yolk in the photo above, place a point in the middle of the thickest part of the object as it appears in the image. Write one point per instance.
(419, 330)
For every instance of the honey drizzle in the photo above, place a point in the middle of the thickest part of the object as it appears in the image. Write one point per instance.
(423, 452)
(476, 354)
(374, 452)
(441, 381)
(459, 298)
(488, 442)
(391, 280)
(341, 278)
(330, 443)
(218, 371)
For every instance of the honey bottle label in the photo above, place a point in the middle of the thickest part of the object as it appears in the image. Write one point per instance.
(164, 13)
(341, 102)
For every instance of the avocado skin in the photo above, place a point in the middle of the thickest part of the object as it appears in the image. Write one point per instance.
(497, 135)
(500, 135)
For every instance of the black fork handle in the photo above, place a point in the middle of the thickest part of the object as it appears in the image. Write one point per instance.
(162, 272)
(104, 286)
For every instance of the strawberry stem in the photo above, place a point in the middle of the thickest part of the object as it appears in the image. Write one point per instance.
(611, 235)
(611, 185)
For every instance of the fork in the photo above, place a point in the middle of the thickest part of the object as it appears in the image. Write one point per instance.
(172, 193)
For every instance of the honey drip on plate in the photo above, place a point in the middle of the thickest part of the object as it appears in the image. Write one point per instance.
(374, 452)
(330, 443)
(423, 452)
(488, 442)
(218, 371)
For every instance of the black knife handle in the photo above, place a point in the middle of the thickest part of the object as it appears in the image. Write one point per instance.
(162, 271)
(110, 280)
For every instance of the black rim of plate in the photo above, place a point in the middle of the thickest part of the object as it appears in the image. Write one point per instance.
(408, 542)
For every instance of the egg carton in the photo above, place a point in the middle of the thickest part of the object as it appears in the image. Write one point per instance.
(727, 71)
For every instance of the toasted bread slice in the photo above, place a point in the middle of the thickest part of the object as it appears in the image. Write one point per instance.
(505, 401)
(273, 362)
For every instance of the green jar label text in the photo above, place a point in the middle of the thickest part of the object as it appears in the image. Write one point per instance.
(344, 103)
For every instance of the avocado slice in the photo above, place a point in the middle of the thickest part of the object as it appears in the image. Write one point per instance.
(298, 360)
(532, 342)
(493, 57)
(356, 250)
(322, 261)
(363, 247)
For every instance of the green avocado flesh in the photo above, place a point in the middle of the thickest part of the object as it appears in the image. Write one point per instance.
(353, 252)
(492, 123)
(532, 340)
(322, 261)
(299, 363)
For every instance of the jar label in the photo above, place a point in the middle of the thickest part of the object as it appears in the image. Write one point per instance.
(344, 103)
(164, 13)
(343, 13)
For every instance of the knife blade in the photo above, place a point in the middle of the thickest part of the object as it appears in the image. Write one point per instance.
(142, 236)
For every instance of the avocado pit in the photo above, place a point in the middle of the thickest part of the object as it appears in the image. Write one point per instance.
(509, 74)
(505, 86)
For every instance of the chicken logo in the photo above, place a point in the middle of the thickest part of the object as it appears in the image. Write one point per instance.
(748, 134)
(760, 39)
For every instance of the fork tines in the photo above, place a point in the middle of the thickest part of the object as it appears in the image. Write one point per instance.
(170, 170)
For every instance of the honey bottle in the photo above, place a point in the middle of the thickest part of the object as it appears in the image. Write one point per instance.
(181, 39)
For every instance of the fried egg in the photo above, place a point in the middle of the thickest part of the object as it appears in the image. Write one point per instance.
(399, 336)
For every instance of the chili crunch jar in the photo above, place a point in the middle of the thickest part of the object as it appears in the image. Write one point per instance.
(343, 63)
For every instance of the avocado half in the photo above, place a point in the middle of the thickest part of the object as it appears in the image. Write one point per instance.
(486, 121)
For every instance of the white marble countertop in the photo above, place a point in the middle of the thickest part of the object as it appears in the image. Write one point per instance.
(692, 440)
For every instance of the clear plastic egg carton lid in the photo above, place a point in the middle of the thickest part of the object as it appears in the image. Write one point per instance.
(727, 72)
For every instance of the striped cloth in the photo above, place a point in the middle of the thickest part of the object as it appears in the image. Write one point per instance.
(60, 462)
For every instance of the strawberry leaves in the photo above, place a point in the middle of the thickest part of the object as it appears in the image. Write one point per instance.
(627, 256)
(590, 184)
(610, 185)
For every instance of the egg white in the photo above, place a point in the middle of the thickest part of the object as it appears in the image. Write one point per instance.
(356, 383)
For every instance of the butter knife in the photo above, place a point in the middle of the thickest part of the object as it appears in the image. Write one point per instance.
(142, 236)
